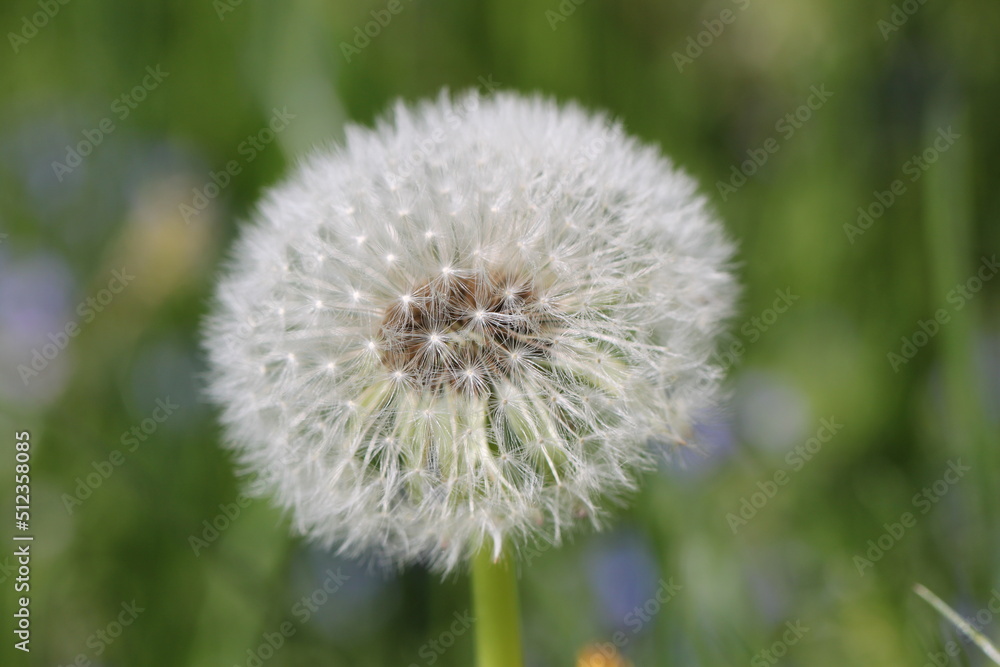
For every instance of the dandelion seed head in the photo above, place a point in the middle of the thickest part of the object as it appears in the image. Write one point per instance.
(492, 340)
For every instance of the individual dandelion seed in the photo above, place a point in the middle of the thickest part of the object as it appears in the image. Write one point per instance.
(470, 328)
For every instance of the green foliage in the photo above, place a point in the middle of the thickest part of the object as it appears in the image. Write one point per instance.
(860, 202)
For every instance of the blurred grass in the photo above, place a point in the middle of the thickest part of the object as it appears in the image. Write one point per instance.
(827, 356)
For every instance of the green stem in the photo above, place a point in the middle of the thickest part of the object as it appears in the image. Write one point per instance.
(498, 622)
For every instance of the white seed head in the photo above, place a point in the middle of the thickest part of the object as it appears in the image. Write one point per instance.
(513, 303)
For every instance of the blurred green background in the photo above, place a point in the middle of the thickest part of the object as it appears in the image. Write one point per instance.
(903, 91)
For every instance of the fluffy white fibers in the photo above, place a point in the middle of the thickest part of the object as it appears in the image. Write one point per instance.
(469, 327)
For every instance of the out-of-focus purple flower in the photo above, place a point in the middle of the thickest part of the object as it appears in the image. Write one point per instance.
(623, 574)
(35, 298)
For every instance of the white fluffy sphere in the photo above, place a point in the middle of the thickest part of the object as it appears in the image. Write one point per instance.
(468, 328)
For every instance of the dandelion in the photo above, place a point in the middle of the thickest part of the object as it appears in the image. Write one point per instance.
(469, 329)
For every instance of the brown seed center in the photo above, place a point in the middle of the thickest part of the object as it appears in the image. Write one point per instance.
(466, 330)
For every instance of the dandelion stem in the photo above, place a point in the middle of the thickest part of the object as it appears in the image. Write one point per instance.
(498, 621)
